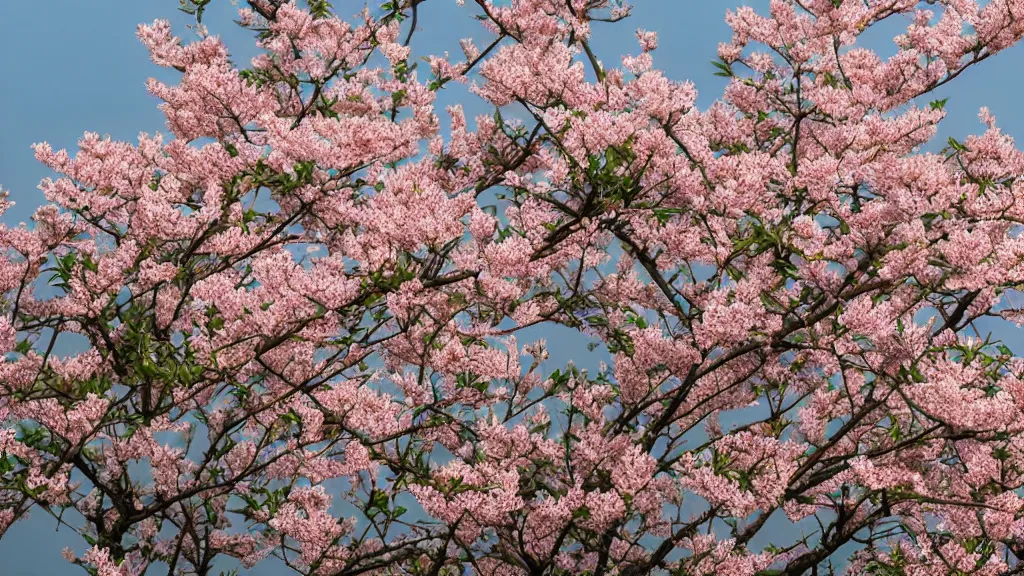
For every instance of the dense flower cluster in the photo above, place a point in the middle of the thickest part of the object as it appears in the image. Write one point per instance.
(298, 319)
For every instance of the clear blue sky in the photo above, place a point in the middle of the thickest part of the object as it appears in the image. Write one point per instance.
(70, 66)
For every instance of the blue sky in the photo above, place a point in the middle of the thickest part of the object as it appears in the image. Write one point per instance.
(71, 66)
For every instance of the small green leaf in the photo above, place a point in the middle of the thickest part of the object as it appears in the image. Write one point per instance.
(725, 69)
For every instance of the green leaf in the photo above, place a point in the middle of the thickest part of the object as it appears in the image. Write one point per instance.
(23, 347)
(724, 69)
(664, 214)
(379, 499)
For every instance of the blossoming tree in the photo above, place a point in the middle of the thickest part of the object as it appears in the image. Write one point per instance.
(301, 320)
